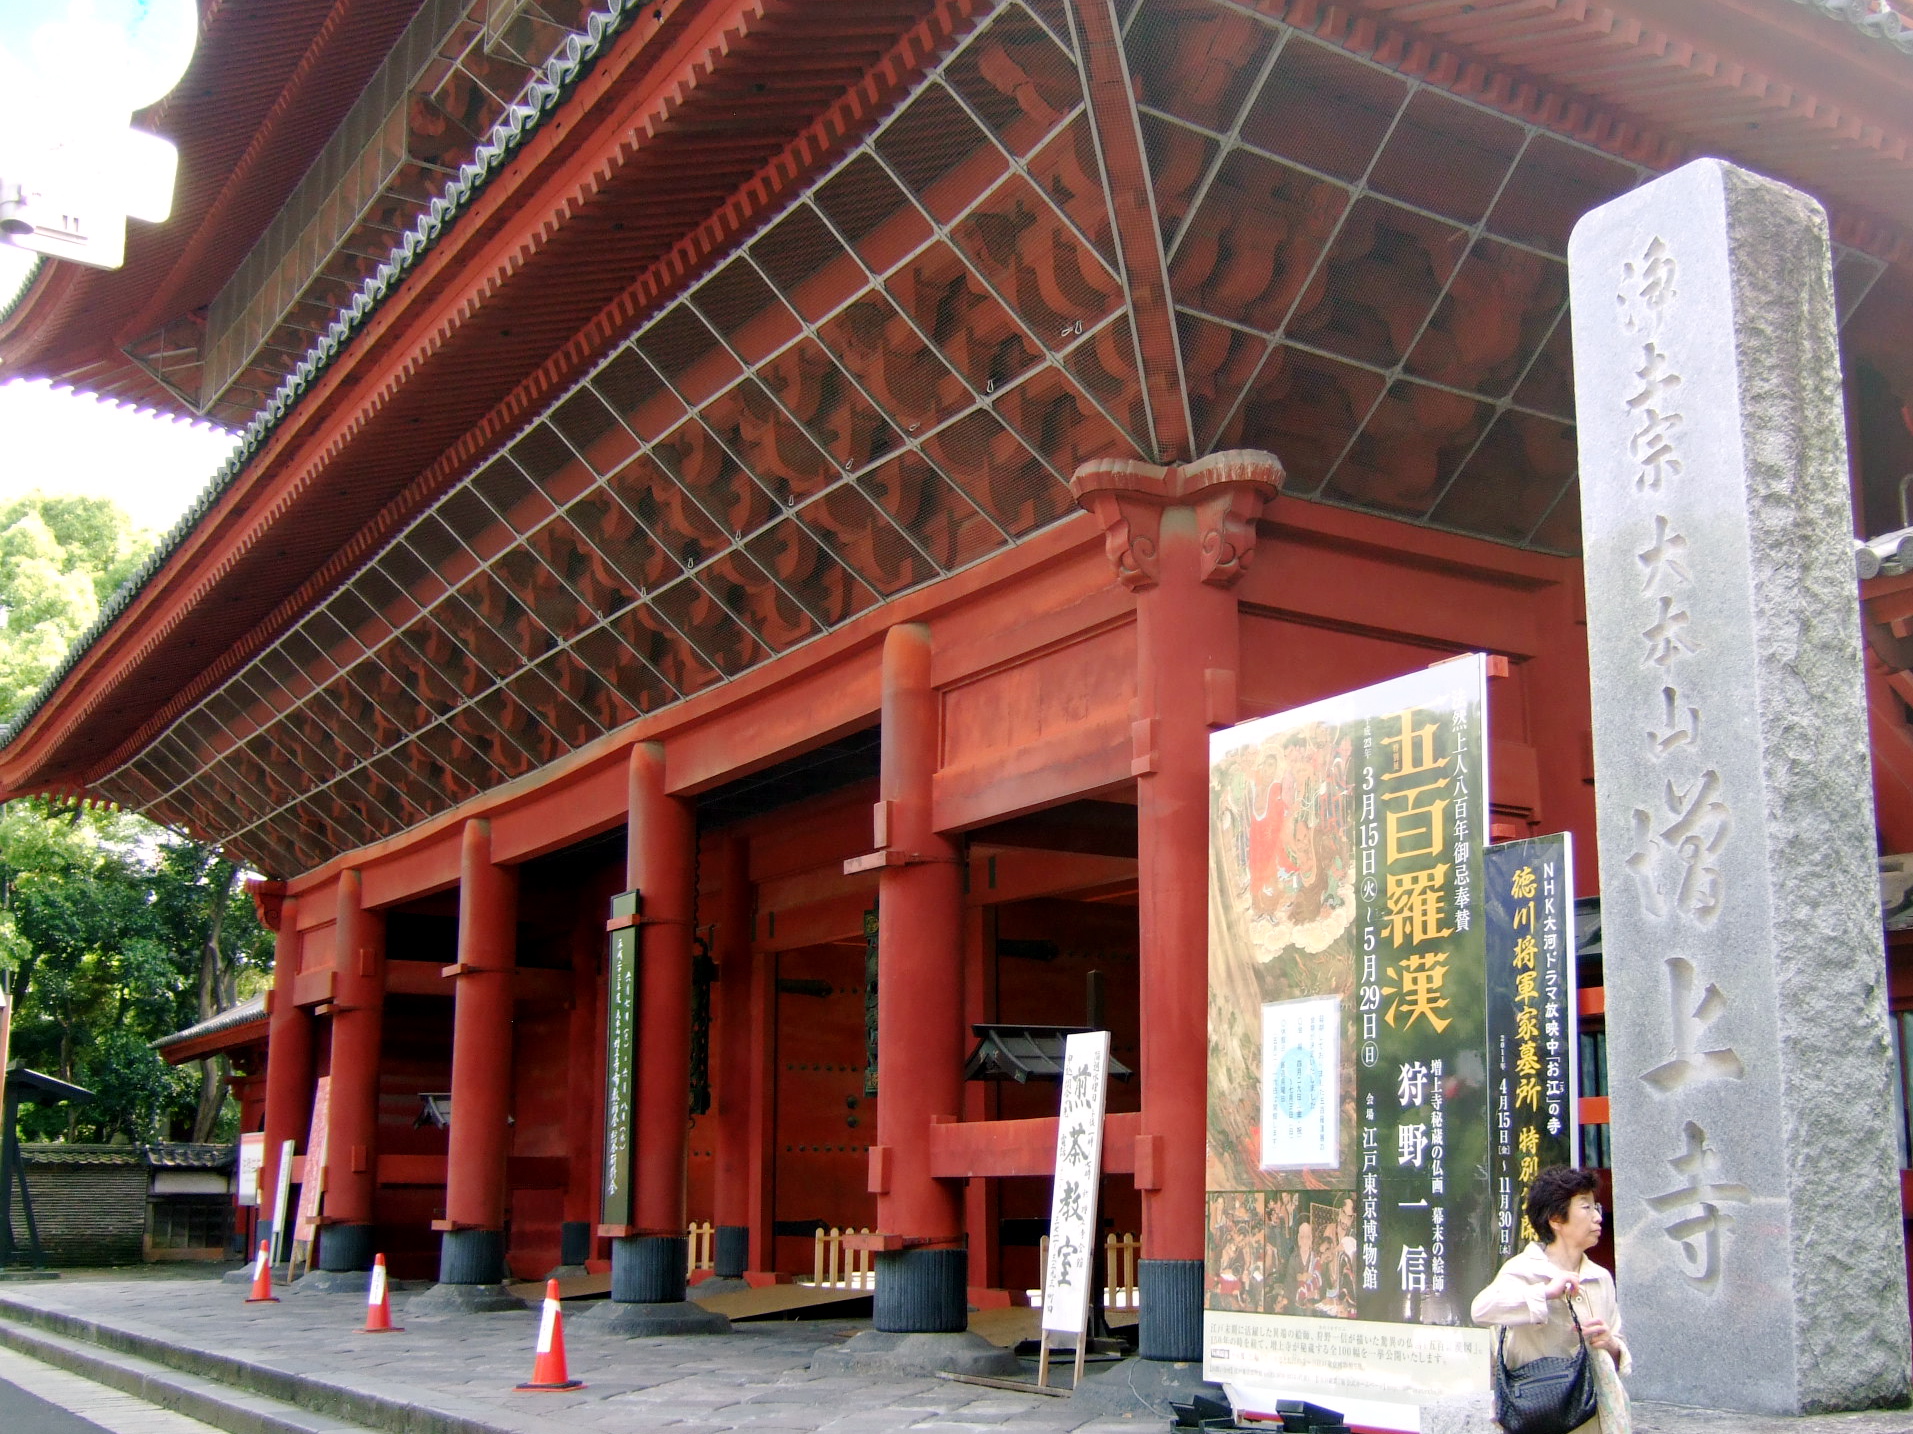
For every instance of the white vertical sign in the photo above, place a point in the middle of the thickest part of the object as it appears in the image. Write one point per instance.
(1079, 1167)
(279, 1197)
(252, 1164)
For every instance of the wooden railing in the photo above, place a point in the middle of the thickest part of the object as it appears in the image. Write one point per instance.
(700, 1246)
(1120, 1253)
(835, 1266)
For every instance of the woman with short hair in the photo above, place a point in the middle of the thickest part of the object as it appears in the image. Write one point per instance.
(1532, 1294)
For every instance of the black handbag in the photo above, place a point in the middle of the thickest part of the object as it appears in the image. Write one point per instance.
(1550, 1395)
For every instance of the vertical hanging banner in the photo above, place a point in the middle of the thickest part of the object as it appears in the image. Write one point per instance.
(1079, 1169)
(621, 1006)
(870, 1002)
(1350, 1218)
(1532, 1040)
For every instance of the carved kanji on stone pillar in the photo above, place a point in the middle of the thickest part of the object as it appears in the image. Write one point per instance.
(1179, 537)
(1226, 492)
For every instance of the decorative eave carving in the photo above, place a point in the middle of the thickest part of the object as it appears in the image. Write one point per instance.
(268, 900)
(1227, 490)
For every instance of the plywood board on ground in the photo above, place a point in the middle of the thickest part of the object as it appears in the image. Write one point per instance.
(577, 1287)
(773, 1300)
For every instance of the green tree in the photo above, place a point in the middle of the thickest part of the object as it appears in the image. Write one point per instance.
(118, 934)
(60, 559)
(115, 932)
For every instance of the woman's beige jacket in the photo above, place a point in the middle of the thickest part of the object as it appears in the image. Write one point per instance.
(1538, 1326)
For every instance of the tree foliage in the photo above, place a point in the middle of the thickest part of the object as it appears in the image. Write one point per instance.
(114, 931)
(117, 934)
(60, 559)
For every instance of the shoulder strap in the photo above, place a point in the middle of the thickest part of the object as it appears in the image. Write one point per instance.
(1576, 1318)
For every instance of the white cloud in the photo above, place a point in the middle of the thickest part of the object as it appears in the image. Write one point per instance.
(65, 442)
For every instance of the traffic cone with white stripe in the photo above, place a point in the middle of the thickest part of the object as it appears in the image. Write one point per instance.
(262, 1279)
(378, 1302)
(548, 1369)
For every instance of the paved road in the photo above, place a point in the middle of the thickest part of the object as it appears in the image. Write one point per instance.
(36, 1398)
(24, 1413)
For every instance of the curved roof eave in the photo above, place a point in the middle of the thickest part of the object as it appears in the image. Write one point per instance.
(508, 135)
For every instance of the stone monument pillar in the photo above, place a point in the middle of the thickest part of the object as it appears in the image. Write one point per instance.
(1757, 1220)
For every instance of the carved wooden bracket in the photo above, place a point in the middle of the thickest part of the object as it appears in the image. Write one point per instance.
(1227, 490)
(268, 900)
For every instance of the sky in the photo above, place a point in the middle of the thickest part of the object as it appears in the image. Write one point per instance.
(64, 442)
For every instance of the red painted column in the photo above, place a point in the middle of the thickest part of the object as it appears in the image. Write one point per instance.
(982, 1196)
(288, 1059)
(735, 1057)
(919, 1006)
(659, 863)
(647, 1268)
(358, 1021)
(1179, 538)
(473, 1248)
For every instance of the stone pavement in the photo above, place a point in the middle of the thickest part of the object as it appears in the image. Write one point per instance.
(455, 1376)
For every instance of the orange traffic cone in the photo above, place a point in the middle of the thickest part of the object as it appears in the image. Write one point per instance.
(548, 1369)
(262, 1279)
(378, 1302)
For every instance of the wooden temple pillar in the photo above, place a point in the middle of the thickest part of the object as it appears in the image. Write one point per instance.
(648, 1263)
(735, 1058)
(471, 1262)
(288, 1050)
(358, 1021)
(922, 1280)
(1179, 538)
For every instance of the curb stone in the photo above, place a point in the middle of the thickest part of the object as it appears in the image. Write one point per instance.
(228, 1393)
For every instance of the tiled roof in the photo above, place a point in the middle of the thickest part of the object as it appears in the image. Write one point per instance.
(166, 1155)
(244, 1012)
(185, 1155)
(1876, 18)
(561, 74)
(57, 1154)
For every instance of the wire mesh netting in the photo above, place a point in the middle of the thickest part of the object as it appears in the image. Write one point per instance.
(891, 382)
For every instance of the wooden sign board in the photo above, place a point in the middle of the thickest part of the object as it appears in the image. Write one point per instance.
(1070, 1276)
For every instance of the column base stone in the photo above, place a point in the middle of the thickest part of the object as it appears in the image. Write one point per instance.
(878, 1351)
(667, 1317)
(346, 1248)
(471, 1274)
(730, 1251)
(444, 1300)
(648, 1269)
(1169, 1317)
(331, 1282)
(922, 1292)
(574, 1243)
